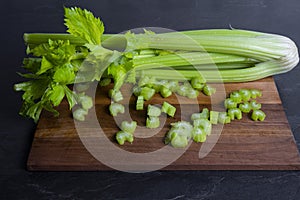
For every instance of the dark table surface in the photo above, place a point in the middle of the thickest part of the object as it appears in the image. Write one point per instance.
(16, 133)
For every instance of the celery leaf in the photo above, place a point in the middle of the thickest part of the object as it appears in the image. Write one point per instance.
(83, 24)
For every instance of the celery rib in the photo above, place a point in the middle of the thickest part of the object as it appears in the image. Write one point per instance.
(259, 71)
(189, 59)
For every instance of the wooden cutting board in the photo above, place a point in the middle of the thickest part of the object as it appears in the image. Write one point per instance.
(242, 144)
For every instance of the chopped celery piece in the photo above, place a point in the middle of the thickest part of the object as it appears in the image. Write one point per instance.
(80, 114)
(162, 82)
(136, 90)
(234, 113)
(140, 103)
(223, 118)
(123, 137)
(255, 93)
(195, 116)
(152, 122)
(192, 94)
(199, 135)
(165, 92)
(116, 108)
(213, 117)
(246, 94)
(179, 135)
(208, 90)
(205, 124)
(227, 120)
(156, 87)
(183, 90)
(146, 80)
(187, 91)
(203, 115)
(245, 107)
(115, 95)
(153, 111)
(184, 127)
(230, 103)
(236, 97)
(128, 127)
(179, 142)
(258, 115)
(187, 84)
(198, 82)
(255, 105)
(168, 109)
(172, 133)
(147, 93)
(173, 85)
(85, 101)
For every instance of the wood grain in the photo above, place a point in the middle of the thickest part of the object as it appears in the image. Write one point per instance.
(242, 145)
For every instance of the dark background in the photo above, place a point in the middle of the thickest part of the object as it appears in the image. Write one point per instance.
(16, 133)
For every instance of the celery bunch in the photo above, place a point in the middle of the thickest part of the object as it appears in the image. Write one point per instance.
(217, 55)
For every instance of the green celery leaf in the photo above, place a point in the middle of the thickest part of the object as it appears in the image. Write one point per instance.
(45, 65)
(71, 96)
(60, 52)
(29, 75)
(40, 50)
(64, 74)
(56, 95)
(32, 64)
(57, 52)
(83, 24)
(33, 89)
(32, 110)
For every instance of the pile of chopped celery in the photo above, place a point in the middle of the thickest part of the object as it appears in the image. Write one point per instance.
(238, 102)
